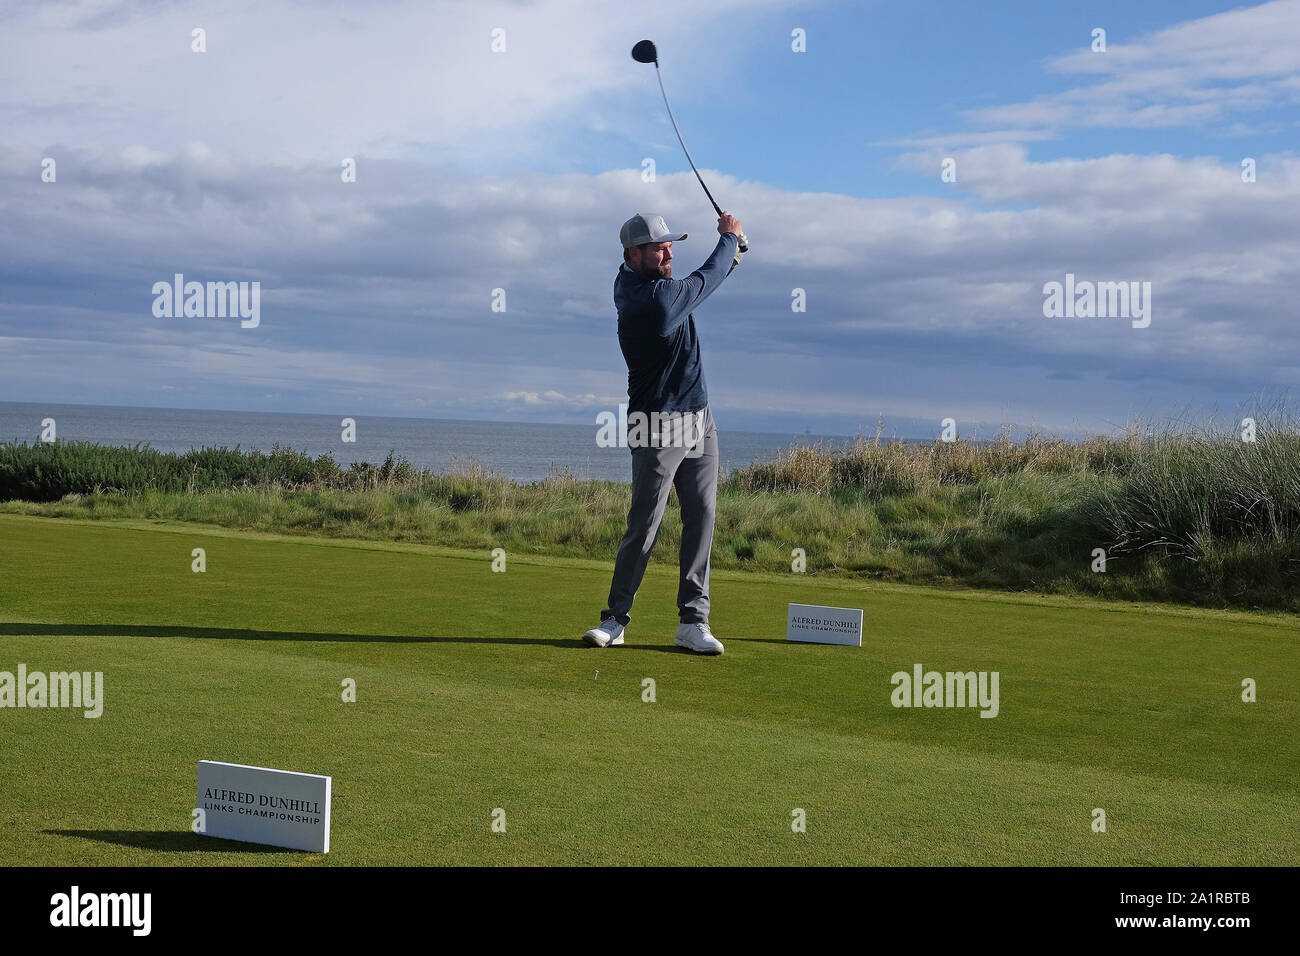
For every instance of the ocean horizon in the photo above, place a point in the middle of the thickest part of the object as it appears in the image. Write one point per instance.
(522, 451)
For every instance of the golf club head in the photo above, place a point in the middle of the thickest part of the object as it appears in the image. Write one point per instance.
(645, 52)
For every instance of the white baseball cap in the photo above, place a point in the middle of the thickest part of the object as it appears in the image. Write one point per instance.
(642, 228)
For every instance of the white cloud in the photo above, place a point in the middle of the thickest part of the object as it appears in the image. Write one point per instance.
(1189, 74)
(958, 139)
(380, 291)
(914, 305)
(323, 80)
(553, 400)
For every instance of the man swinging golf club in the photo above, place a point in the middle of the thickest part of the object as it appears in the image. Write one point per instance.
(665, 385)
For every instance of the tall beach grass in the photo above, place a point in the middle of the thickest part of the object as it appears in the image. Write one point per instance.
(1193, 515)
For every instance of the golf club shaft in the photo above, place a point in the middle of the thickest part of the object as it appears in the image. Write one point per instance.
(660, 78)
(744, 246)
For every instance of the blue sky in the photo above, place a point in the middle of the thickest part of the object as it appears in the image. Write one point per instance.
(482, 170)
(878, 74)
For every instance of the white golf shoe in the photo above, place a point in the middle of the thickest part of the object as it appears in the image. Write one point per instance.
(608, 634)
(697, 638)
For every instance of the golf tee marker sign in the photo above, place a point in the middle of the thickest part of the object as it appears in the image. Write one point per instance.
(259, 805)
(814, 624)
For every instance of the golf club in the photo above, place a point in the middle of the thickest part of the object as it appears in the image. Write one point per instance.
(645, 52)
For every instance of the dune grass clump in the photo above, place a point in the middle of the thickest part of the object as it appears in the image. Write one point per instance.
(1194, 515)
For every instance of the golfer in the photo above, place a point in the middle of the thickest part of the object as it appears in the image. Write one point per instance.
(665, 384)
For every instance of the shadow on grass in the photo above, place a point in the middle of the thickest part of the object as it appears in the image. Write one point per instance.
(248, 634)
(170, 841)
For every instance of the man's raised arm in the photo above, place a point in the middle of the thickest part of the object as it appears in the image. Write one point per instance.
(677, 298)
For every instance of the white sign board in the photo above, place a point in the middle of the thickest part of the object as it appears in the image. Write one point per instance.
(259, 805)
(815, 624)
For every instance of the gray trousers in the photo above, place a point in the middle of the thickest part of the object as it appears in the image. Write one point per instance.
(654, 472)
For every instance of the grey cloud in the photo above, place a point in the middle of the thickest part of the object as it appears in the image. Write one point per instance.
(387, 290)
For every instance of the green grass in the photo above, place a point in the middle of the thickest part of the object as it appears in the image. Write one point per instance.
(475, 693)
(1199, 517)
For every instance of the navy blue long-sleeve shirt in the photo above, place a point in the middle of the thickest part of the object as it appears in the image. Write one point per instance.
(656, 332)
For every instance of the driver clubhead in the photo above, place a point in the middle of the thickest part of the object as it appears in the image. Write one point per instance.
(645, 52)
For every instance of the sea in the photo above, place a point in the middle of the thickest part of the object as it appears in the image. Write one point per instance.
(522, 451)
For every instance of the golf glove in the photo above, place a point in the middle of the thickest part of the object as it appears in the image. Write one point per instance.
(741, 249)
